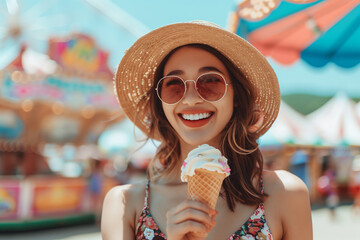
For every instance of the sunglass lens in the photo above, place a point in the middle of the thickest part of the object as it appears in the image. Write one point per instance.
(211, 87)
(171, 89)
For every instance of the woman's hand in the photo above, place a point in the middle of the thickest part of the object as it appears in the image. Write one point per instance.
(189, 220)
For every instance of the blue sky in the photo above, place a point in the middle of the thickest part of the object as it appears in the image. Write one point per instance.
(60, 17)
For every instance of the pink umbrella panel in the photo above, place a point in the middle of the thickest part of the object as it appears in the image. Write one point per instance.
(318, 33)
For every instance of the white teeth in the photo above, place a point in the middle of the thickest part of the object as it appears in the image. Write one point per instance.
(193, 117)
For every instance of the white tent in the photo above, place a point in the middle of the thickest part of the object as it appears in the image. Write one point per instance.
(290, 127)
(337, 121)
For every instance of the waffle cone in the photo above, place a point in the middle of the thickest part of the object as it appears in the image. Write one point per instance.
(205, 186)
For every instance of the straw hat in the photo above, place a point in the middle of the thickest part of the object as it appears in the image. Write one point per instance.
(135, 73)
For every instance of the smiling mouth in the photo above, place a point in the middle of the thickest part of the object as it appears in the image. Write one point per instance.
(195, 120)
(195, 117)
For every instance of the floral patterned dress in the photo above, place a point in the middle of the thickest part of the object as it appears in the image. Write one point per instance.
(255, 228)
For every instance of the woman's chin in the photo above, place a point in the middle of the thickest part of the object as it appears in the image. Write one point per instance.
(199, 140)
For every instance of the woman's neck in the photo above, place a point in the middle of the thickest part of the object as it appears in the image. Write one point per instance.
(186, 148)
(174, 178)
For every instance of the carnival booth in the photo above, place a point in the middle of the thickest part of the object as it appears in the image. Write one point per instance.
(302, 144)
(52, 110)
(338, 124)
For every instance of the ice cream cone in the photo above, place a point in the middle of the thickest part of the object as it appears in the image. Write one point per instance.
(204, 170)
(204, 186)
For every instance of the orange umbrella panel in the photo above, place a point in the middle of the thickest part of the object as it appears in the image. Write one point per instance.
(318, 33)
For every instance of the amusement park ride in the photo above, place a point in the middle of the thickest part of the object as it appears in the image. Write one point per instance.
(63, 97)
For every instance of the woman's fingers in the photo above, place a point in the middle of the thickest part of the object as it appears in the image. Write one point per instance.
(192, 214)
(187, 227)
(194, 205)
(190, 217)
(191, 210)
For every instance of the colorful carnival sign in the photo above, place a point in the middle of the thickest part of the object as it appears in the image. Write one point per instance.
(73, 93)
(9, 199)
(79, 52)
(69, 88)
(58, 196)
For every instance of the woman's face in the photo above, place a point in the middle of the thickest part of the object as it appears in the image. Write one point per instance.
(189, 63)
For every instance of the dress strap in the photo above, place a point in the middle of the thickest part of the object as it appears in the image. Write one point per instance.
(145, 210)
(147, 195)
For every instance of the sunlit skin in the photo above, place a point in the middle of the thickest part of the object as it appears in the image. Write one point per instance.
(287, 206)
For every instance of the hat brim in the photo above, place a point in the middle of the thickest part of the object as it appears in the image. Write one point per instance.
(135, 74)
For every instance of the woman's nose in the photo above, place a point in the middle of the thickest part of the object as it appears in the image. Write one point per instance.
(191, 96)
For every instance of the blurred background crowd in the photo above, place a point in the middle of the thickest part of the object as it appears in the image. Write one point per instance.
(64, 140)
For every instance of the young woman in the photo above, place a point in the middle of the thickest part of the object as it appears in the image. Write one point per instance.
(194, 83)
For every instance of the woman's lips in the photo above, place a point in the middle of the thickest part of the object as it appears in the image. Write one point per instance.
(202, 118)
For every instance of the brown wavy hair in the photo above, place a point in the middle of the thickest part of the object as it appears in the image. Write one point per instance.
(237, 144)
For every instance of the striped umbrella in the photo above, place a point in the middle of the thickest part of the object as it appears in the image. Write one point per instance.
(318, 33)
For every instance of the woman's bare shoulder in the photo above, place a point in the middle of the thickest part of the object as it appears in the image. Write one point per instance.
(283, 182)
(288, 200)
(286, 192)
(131, 195)
(127, 191)
(121, 209)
